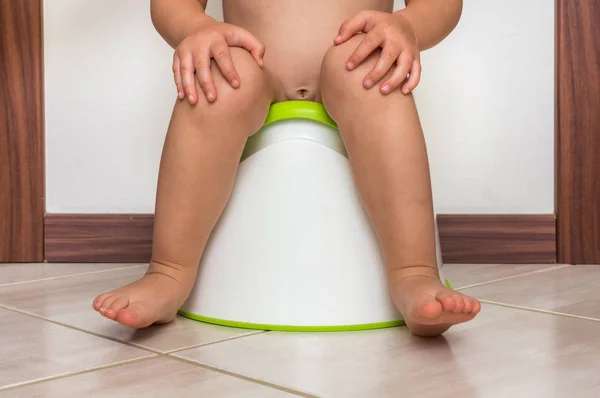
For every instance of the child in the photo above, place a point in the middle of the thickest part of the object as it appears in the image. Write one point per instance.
(361, 61)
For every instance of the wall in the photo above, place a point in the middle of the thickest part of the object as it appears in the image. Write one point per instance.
(486, 102)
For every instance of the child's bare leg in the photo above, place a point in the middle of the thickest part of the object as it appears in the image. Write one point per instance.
(200, 158)
(387, 152)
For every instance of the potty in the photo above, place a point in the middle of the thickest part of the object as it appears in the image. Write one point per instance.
(294, 249)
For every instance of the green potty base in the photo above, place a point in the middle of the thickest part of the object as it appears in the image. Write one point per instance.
(292, 328)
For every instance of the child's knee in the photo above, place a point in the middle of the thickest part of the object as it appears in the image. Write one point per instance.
(248, 70)
(254, 83)
(334, 70)
(338, 84)
(247, 104)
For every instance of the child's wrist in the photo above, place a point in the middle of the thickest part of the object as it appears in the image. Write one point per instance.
(192, 27)
(405, 19)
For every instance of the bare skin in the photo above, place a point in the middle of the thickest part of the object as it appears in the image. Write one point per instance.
(392, 173)
(281, 51)
(199, 163)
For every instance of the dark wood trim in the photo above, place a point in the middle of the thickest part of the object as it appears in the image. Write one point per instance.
(578, 131)
(498, 239)
(21, 132)
(464, 238)
(98, 238)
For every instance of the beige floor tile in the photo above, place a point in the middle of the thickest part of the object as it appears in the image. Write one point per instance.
(571, 290)
(18, 273)
(461, 275)
(504, 352)
(69, 301)
(160, 377)
(33, 349)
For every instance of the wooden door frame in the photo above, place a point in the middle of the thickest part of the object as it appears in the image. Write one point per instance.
(21, 132)
(577, 125)
(577, 198)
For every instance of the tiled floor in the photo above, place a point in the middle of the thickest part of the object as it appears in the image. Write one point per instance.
(538, 335)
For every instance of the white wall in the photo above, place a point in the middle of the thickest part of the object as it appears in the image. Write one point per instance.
(486, 103)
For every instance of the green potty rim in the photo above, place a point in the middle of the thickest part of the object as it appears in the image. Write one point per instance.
(295, 110)
(294, 328)
(299, 110)
(290, 328)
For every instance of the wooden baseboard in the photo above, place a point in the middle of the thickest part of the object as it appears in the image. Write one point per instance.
(498, 239)
(495, 239)
(101, 238)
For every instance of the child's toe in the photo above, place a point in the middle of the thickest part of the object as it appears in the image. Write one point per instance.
(469, 305)
(133, 316)
(117, 306)
(476, 307)
(460, 303)
(99, 301)
(447, 300)
(427, 308)
(107, 303)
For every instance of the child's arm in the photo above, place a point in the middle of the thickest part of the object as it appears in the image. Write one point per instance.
(432, 20)
(177, 19)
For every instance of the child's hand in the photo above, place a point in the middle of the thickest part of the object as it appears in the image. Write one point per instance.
(394, 34)
(212, 41)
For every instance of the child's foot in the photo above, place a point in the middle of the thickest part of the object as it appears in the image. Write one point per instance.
(430, 308)
(155, 298)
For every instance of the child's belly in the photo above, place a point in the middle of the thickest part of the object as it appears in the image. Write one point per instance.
(296, 35)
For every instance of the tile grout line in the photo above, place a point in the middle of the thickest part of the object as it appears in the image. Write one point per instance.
(155, 354)
(167, 354)
(539, 271)
(242, 377)
(77, 373)
(547, 312)
(43, 318)
(127, 343)
(154, 357)
(72, 275)
(241, 336)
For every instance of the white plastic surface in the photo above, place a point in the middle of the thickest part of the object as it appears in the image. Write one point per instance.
(294, 246)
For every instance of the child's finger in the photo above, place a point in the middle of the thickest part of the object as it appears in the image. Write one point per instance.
(414, 77)
(177, 76)
(187, 77)
(239, 37)
(220, 53)
(258, 53)
(403, 66)
(383, 65)
(204, 76)
(368, 44)
(350, 27)
(199, 88)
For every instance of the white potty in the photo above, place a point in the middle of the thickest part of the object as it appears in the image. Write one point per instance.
(294, 249)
